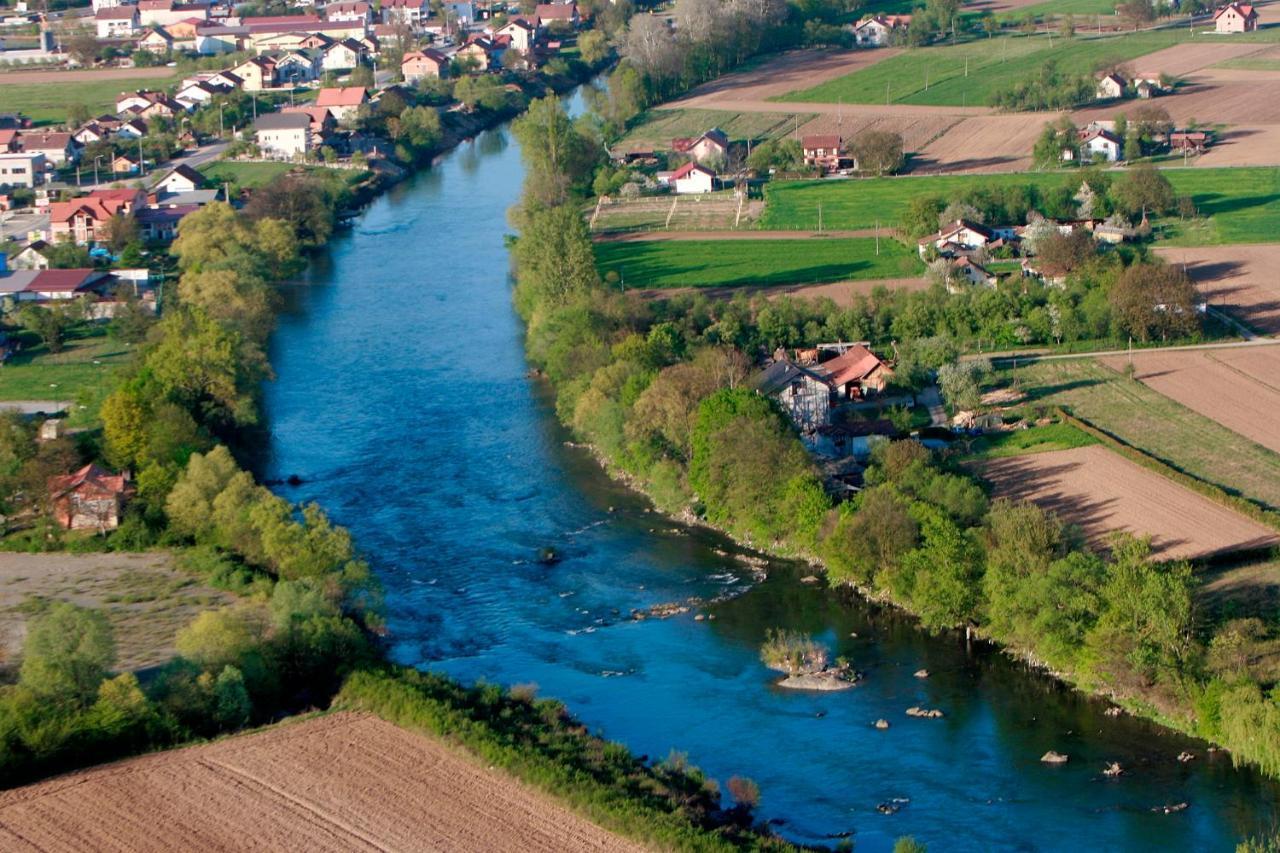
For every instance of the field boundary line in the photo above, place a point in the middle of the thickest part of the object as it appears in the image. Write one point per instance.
(1249, 376)
(311, 809)
(1217, 494)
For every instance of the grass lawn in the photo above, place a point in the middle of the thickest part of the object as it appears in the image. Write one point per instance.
(81, 373)
(937, 75)
(1248, 63)
(1243, 203)
(1155, 424)
(720, 263)
(1033, 440)
(47, 103)
(658, 127)
(1063, 7)
(244, 175)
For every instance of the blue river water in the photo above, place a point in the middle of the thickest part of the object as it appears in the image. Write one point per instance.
(402, 401)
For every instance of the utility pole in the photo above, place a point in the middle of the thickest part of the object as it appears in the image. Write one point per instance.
(142, 163)
(819, 217)
(877, 238)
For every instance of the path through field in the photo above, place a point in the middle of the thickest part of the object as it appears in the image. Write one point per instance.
(337, 783)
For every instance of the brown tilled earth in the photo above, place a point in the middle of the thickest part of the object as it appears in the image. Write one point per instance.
(24, 77)
(840, 292)
(1238, 388)
(787, 72)
(1241, 278)
(1102, 492)
(337, 783)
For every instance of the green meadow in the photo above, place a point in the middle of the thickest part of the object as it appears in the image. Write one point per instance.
(724, 263)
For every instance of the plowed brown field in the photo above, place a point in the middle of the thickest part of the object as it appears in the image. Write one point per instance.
(338, 783)
(1242, 278)
(1239, 389)
(1102, 492)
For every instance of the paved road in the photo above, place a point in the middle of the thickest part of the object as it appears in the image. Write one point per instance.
(930, 397)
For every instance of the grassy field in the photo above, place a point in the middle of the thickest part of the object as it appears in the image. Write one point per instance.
(1155, 424)
(1243, 204)
(244, 175)
(1037, 439)
(80, 373)
(1248, 63)
(1063, 7)
(707, 263)
(937, 75)
(47, 103)
(658, 127)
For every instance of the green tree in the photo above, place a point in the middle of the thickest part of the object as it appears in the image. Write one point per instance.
(554, 257)
(878, 151)
(558, 159)
(593, 47)
(49, 324)
(1154, 301)
(67, 654)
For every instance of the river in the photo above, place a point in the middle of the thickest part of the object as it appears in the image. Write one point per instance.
(402, 401)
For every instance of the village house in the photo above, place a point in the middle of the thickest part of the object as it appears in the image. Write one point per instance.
(167, 12)
(855, 373)
(222, 80)
(160, 223)
(322, 123)
(802, 393)
(824, 151)
(215, 40)
(877, 30)
(411, 12)
(123, 164)
(147, 104)
(1236, 18)
(523, 35)
(344, 103)
(1111, 87)
(35, 256)
(50, 285)
(418, 64)
(283, 135)
(1101, 144)
(119, 22)
(179, 179)
(256, 73)
(342, 55)
(196, 94)
(565, 13)
(58, 148)
(692, 178)
(297, 67)
(359, 12)
(22, 169)
(81, 218)
(712, 146)
(156, 40)
(965, 269)
(1189, 141)
(964, 237)
(89, 499)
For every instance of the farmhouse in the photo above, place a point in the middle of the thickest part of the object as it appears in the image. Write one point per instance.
(1192, 141)
(1236, 18)
(358, 11)
(1111, 87)
(89, 499)
(156, 40)
(710, 146)
(118, 22)
(963, 237)
(418, 64)
(823, 151)
(966, 269)
(803, 394)
(1101, 144)
(692, 178)
(855, 373)
(877, 30)
(180, 179)
(283, 135)
(322, 123)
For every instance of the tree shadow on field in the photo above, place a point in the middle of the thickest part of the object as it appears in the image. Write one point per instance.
(1042, 392)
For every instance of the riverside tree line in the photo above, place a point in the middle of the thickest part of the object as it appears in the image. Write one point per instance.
(658, 388)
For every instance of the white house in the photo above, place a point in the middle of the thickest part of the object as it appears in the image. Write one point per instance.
(878, 29)
(283, 135)
(116, 22)
(963, 236)
(22, 169)
(693, 178)
(196, 94)
(342, 56)
(1102, 144)
(1110, 87)
(412, 12)
(523, 35)
(358, 11)
(296, 67)
(1236, 18)
(180, 179)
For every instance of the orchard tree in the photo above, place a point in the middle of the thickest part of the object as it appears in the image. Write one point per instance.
(1154, 301)
(67, 654)
(878, 151)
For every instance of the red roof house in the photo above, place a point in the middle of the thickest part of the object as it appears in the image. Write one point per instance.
(89, 499)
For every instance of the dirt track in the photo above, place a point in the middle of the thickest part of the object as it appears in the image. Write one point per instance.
(1240, 278)
(1239, 389)
(840, 292)
(1101, 492)
(339, 783)
(29, 77)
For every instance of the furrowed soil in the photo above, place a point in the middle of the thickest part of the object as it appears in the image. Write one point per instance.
(1242, 279)
(144, 598)
(1102, 492)
(1239, 389)
(342, 782)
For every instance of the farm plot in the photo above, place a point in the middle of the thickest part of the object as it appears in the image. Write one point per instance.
(780, 74)
(337, 783)
(967, 74)
(712, 212)
(917, 128)
(1155, 424)
(143, 597)
(46, 95)
(659, 126)
(1239, 388)
(731, 263)
(1241, 279)
(1102, 492)
(998, 143)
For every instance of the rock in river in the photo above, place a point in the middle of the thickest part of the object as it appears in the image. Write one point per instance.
(1052, 757)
